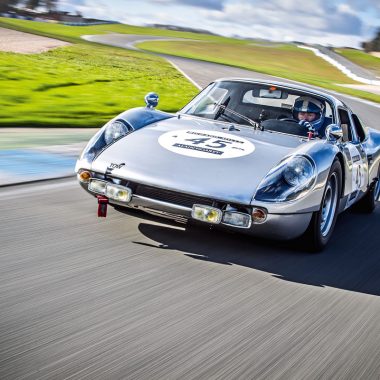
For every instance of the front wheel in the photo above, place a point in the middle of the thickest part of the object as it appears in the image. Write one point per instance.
(323, 221)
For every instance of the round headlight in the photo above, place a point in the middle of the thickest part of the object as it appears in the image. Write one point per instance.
(114, 131)
(298, 171)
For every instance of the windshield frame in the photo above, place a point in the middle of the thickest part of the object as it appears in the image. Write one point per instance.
(238, 88)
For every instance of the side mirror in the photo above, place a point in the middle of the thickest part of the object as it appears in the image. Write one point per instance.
(334, 132)
(151, 100)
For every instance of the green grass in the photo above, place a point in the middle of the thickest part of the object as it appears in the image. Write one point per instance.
(73, 33)
(286, 61)
(361, 58)
(269, 60)
(84, 85)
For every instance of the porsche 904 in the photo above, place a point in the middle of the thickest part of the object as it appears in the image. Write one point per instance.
(269, 159)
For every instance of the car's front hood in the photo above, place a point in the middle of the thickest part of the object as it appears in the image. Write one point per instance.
(198, 157)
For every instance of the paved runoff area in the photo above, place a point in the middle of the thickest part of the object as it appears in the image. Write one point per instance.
(25, 165)
(19, 42)
(36, 154)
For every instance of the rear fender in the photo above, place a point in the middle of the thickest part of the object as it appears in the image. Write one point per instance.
(372, 148)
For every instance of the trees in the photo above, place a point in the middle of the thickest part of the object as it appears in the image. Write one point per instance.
(50, 5)
(373, 45)
(32, 4)
(7, 5)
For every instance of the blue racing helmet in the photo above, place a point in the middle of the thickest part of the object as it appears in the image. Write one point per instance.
(309, 104)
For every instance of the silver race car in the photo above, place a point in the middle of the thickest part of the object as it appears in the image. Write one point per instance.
(265, 158)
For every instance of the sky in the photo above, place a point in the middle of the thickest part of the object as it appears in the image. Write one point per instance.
(326, 22)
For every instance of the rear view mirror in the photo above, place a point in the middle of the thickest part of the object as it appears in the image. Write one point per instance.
(272, 94)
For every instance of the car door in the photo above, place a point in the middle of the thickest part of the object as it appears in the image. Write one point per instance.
(356, 170)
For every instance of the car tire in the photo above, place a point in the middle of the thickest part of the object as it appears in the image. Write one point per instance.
(368, 203)
(323, 221)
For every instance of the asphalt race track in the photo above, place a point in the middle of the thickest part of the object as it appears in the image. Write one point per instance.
(128, 297)
(124, 297)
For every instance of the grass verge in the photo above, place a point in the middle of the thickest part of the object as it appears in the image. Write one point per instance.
(285, 61)
(84, 85)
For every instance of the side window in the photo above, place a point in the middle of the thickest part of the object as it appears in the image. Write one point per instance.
(358, 127)
(249, 98)
(329, 112)
(345, 124)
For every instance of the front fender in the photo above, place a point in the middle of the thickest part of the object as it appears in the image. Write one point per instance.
(323, 153)
(142, 116)
(135, 118)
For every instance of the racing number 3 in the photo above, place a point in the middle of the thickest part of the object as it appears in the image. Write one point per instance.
(215, 144)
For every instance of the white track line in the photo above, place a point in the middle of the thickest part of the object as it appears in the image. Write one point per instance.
(184, 74)
(340, 67)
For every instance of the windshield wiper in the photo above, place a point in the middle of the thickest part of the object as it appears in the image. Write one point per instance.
(223, 107)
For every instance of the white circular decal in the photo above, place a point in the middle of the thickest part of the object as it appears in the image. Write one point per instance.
(206, 144)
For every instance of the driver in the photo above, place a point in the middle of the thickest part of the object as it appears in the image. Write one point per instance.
(310, 113)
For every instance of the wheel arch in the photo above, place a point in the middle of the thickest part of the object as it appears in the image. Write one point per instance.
(143, 116)
(339, 156)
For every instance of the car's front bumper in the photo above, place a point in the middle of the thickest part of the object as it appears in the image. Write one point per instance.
(276, 226)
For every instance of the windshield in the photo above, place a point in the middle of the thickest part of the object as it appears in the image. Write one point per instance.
(269, 106)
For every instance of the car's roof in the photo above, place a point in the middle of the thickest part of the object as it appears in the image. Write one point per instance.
(298, 87)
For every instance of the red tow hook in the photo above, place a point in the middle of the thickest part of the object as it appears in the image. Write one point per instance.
(102, 206)
(310, 135)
